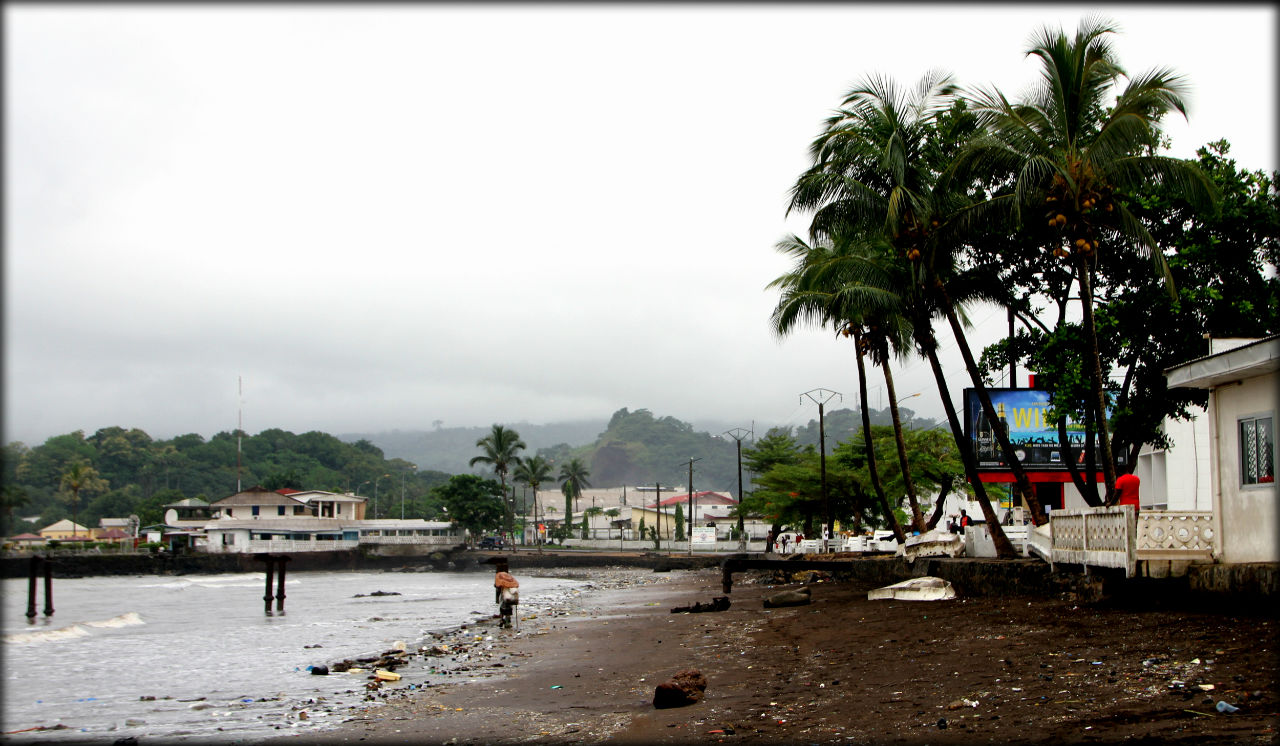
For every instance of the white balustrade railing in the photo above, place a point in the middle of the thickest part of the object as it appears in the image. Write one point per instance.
(1098, 537)
(1176, 535)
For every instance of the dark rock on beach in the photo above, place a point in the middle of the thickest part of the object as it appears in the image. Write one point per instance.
(685, 688)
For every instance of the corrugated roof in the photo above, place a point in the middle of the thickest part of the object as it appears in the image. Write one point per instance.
(257, 496)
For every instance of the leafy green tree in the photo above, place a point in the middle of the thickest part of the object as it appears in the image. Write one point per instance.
(776, 448)
(1073, 162)
(500, 449)
(12, 497)
(679, 522)
(473, 502)
(118, 503)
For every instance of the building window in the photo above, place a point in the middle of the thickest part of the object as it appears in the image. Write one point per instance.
(254, 510)
(279, 510)
(1257, 451)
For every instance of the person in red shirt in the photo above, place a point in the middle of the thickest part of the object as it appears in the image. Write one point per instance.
(1127, 490)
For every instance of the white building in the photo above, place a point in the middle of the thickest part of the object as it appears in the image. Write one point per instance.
(1242, 378)
(261, 520)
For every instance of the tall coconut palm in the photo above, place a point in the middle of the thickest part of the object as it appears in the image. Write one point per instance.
(876, 175)
(80, 476)
(533, 472)
(501, 449)
(573, 479)
(1072, 155)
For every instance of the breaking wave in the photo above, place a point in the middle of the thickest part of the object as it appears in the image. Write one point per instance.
(76, 630)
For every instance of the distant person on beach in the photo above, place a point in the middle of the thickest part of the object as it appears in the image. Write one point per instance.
(768, 542)
(507, 596)
(964, 520)
(784, 543)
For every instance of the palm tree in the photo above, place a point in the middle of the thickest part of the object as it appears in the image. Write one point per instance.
(831, 285)
(500, 448)
(888, 149)
(80, 476)
(573, 478)
(533, 471)
(876, 176)
(1074, 160)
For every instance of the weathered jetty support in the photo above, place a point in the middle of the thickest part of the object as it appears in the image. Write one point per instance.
(37, 563)
(273, 561)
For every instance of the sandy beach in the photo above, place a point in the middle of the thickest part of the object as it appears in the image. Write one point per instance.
(1003, 669)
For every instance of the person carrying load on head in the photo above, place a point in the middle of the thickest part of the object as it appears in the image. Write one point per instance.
(506, 595)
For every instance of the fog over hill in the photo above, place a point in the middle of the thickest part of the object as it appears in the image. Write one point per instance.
(449, 449)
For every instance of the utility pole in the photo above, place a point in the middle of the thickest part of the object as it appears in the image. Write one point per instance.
(239, 424)
(822, 396)
(657, 517)
(738, 434)
(691, 503)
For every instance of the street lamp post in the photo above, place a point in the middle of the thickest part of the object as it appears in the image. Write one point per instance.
(822, 396)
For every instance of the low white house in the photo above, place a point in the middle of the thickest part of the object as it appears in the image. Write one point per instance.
(262, 520)
(1240, 441)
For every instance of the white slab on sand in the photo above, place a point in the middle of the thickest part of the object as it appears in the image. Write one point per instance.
(916, 589)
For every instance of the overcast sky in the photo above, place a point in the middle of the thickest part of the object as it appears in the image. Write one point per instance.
(380, 217)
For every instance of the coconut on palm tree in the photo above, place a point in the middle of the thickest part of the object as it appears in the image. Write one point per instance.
(500, 450)
(1072, 155)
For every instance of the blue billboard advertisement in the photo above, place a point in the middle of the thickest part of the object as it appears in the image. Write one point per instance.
(1022, 412)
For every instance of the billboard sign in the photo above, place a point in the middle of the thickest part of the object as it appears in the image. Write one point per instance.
(1034, 437)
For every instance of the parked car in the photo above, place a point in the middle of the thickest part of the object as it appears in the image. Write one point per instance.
(491, 542)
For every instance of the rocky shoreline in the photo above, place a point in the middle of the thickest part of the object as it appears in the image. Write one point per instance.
(998, 668)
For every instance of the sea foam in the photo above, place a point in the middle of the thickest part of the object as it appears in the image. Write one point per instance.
(76, 630)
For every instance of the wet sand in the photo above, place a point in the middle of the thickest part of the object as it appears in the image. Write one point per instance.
(1005, 669)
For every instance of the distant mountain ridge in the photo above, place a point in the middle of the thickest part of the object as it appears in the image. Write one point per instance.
(448, 449)
(631, 447)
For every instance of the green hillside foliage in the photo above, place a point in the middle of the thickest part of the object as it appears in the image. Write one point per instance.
(142, 475)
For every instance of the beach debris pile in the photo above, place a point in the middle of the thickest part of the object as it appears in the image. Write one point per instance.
(684, 688)
(798, 597)
(719, 603)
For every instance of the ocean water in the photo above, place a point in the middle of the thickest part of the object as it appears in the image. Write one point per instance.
(218, 668)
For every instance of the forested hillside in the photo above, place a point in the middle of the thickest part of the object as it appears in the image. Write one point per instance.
(124, 472)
